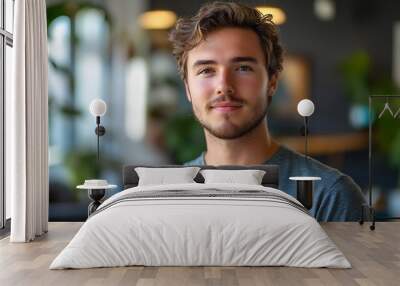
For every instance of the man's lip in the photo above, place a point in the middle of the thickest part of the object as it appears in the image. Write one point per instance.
(226, 105)
(226, 108)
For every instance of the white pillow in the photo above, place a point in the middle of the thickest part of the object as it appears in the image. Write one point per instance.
(248, 177)
(163, 176)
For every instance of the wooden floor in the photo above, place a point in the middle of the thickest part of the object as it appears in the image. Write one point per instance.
(374, 255)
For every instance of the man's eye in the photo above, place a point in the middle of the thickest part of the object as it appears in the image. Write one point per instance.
(245, 68)
(205, 71)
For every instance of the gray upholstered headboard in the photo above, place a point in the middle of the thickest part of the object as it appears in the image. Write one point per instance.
(271, 178)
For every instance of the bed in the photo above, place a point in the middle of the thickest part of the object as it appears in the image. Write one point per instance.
(201, 224)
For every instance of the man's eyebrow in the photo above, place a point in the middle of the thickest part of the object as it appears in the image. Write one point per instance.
(244, 59)
(204, 62)
(234, 60)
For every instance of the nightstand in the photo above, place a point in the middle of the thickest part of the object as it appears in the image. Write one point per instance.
(96, 191)
(305, 187)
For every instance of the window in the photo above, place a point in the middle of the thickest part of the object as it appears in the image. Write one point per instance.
(79, 52)
(6, 44)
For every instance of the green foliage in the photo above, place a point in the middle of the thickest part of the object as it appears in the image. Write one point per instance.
(395, 150)
(383, 134)
(70, 111)
(184, 137)
(386, 131)
(82, 165)
(383, 85)
(355, 71)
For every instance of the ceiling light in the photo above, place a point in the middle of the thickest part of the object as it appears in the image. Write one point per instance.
(278, 15)
(157, 20)
(324, 9)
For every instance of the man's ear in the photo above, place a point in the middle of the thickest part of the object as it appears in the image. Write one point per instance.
(272, 84)
(188, 95)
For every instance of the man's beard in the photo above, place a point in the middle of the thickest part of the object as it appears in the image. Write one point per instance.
(235, 132)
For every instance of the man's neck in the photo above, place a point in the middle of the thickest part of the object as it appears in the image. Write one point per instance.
(253, 148)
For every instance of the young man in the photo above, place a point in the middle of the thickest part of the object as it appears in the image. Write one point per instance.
(229, 58)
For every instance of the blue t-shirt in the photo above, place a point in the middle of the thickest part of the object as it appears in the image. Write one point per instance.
(335, 198)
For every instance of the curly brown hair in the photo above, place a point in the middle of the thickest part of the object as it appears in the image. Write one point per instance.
(189, 32)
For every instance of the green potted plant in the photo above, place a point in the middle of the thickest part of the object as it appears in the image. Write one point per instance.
(355, 71)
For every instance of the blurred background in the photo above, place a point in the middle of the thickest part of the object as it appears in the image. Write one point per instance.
(338, 52)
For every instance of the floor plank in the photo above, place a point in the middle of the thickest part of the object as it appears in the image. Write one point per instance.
(374, 255)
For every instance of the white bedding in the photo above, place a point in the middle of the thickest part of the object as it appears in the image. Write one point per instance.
(183, 231)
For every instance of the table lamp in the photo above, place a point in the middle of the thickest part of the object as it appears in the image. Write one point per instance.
(98, 108)
(304, 192)
(305, 108)
(96, 188)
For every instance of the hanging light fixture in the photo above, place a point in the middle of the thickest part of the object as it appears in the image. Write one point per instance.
(278, 15)
(325, 10)
(157, 20)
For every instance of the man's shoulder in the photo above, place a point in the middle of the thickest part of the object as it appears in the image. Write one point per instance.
(296, 162)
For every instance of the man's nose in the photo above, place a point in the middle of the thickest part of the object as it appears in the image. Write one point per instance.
(225, 84)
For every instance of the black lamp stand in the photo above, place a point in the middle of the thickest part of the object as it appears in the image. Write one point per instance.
(305, 185)
(305, 193)
(96, 195)
(306, 137)
(100, 131)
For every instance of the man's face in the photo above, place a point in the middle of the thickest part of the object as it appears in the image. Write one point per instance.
(227, 82)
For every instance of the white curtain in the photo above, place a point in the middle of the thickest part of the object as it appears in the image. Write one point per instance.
(26, 124)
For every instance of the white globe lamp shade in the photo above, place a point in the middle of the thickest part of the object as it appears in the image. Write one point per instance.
(98, 107)
(305, 107)
(325, 9)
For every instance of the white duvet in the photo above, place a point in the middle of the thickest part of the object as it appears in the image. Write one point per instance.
(183, 231)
